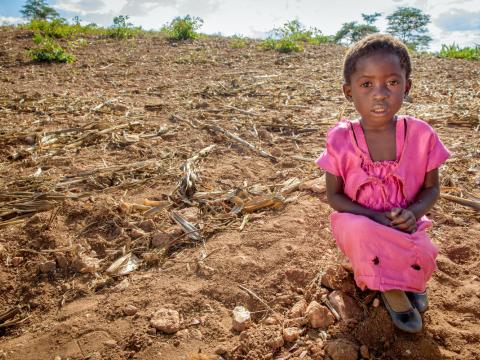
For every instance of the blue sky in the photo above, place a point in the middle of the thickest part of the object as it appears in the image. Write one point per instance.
(452, 20)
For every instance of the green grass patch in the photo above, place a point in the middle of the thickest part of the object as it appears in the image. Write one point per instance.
(456, 52)
(48, 50)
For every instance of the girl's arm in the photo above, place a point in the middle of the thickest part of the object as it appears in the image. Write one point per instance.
(342, 203)
(427, 197)
(406, 219)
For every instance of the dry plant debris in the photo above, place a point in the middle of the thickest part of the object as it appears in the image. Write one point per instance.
(152, 178)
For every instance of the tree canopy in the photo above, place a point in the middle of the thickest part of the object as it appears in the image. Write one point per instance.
(38, 10)
(410, 25)
(352, 31)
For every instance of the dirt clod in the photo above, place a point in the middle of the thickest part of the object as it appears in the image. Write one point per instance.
(319, 316)
(341, 349)
(291, 334)
(345, 305)
(298, 309)
(166, 320)
(240, 318)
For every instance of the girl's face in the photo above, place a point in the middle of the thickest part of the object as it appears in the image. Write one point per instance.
(377, 87)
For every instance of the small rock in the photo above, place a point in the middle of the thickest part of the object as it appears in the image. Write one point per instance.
(364, 351)
(276, 342)
(110, 343)
(316, 349)
(29, 140)
(241, 318)
(291, 334)
(47, 267)
(196, 334)
(277, 152)
(274, 319)
(137, 233)
(123, 285)
(319, 316)
(147, 225)
(17, 260)
(287, 163)
(296, 322)
(221, 350)
(191, 214)
(57, 358)
(298, 309)
(345, 305)
(341, 349)
(62, 261)
(86, 264)
(160, 239)
(376, 302)
(184, 333)
(151, 331)
(130, 310)
(265, 135)
(338, 278)
(166, 320)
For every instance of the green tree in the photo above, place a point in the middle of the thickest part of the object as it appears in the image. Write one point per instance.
(410, 25)
(38, 10)
(371, 18)
(352, 32)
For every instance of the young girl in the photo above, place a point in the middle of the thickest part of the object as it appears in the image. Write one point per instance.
(382, 178)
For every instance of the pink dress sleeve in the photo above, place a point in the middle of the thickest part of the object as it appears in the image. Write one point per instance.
(329, 159)
(438, 153)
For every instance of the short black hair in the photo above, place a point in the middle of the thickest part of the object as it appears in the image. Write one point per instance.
(372, 44)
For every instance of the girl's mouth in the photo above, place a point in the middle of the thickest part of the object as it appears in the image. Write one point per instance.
(379, 110)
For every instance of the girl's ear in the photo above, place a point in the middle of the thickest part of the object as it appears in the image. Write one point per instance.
(347, 91)
(408, 86)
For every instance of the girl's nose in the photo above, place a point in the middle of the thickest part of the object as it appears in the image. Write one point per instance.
(380, 92)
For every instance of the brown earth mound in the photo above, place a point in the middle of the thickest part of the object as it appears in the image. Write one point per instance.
(192, 163)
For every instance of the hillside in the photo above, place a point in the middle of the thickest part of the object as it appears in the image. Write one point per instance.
(99, 156)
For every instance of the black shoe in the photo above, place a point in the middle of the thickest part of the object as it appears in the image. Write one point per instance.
(419, 300)
(409, 321)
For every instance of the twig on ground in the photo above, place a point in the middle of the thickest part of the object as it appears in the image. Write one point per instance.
(251, 293)
(462, 201)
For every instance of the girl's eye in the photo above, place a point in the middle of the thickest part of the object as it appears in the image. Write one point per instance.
(393, 82)
(366, 84)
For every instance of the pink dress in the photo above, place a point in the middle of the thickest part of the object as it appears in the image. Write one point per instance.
(382, 257)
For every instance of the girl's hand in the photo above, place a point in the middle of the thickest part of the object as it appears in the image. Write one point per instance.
(403, 220)
(381, 218)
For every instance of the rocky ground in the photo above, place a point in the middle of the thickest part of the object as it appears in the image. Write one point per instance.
(192, 165)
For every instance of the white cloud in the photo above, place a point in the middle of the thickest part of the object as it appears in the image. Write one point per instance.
(80, 7)
(255, 18)
(458, 20)
(10, 20)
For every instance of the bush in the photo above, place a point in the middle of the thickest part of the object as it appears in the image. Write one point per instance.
(56, 28)
(238, 42)
(454, 51)
(59, 28)
(48, 50)
(183, 28)
(121, 29)
(285, 45)
(291, 37)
